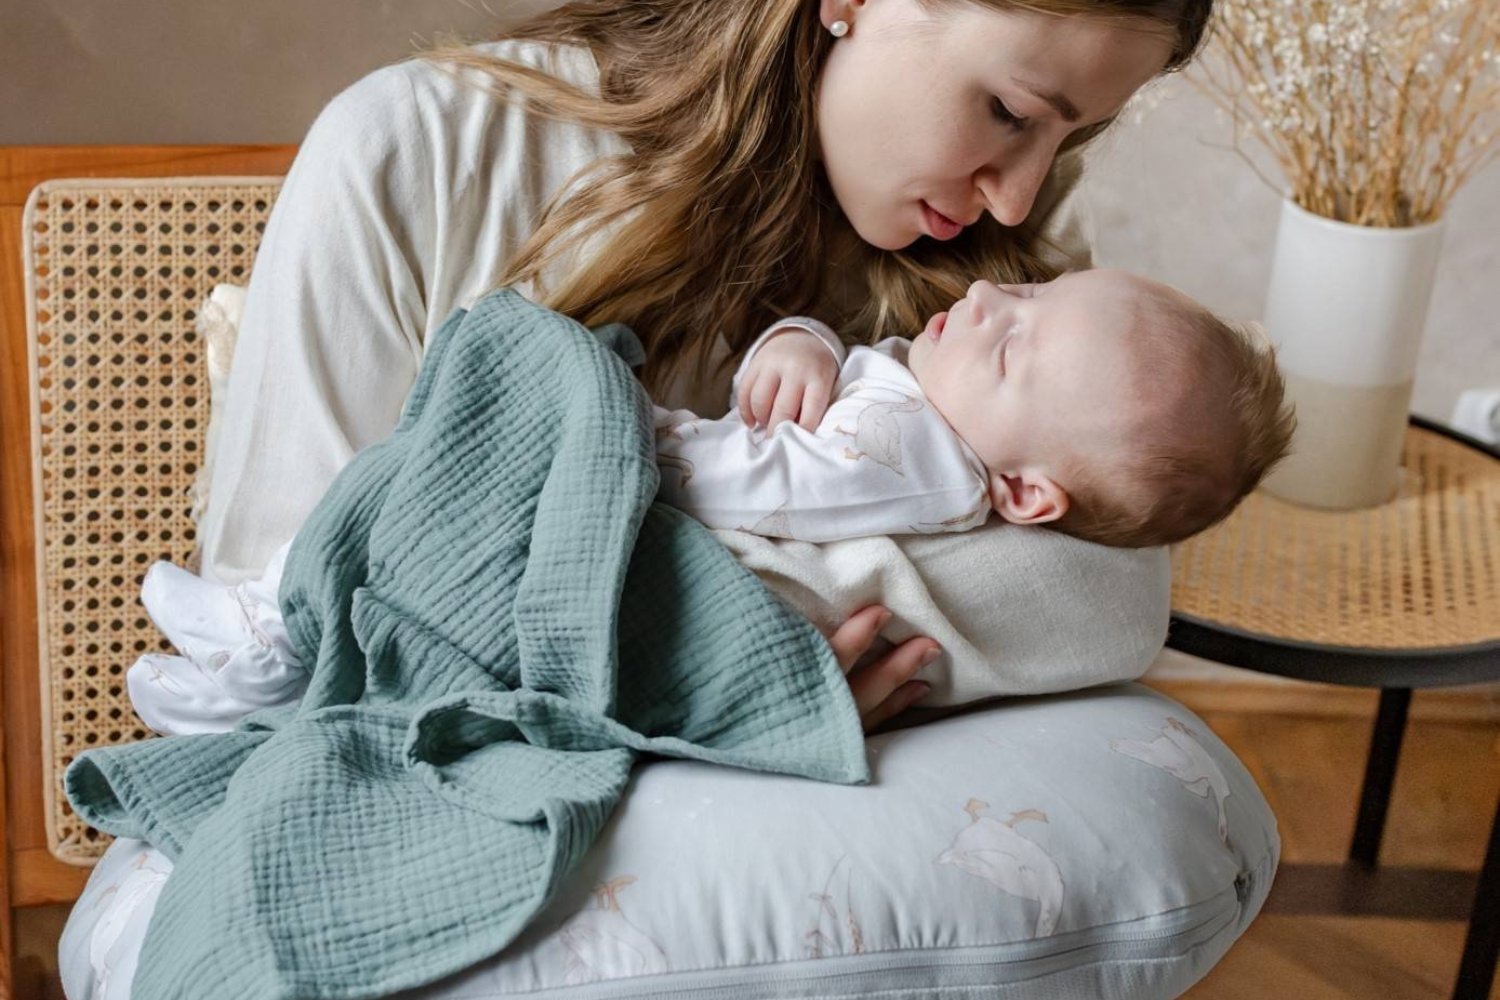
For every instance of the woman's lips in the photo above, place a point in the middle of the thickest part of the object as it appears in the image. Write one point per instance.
(939, 226)
(935, 326)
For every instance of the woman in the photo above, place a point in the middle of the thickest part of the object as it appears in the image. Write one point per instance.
(692, 169)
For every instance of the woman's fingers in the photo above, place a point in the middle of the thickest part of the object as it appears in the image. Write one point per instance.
(898, 702)
(883, 688)
(859, 630)
(873, 685)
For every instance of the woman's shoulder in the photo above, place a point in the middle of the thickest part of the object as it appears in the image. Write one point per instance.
(433, 126)
(436, 88)
(570, 63)
(429, 160)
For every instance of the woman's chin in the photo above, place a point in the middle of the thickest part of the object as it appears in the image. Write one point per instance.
(886, 236)
(891, 244)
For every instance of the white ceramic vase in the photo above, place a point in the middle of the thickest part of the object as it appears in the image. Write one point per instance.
(1346, 309)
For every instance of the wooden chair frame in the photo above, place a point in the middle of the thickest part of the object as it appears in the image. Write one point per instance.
(31, 876)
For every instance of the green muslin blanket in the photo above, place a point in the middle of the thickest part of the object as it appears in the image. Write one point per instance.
(499, 621)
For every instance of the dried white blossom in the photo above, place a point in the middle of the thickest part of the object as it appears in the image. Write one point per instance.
(1351, 95)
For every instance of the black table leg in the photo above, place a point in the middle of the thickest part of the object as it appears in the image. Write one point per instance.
(1476, 972)
(1380, 774)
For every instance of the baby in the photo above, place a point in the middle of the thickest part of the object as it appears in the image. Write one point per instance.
(1103, 404)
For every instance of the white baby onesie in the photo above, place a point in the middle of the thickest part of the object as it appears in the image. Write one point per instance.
(882, 460)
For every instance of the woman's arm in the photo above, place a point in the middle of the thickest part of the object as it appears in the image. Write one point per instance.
(409, 196)
(330, 340)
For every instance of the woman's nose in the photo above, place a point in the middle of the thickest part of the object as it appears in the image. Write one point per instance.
(1014, 186)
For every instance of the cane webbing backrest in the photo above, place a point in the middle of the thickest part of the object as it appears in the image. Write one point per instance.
(115, 273)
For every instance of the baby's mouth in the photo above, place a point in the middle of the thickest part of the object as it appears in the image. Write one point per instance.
(935, 326)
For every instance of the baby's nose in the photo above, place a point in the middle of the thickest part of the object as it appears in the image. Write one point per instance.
(985, 297)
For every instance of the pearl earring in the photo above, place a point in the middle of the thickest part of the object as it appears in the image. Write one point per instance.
(838, 29)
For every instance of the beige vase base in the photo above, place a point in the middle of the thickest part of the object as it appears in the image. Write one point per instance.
(1346, 453)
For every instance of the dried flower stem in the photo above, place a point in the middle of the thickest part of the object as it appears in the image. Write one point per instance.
(1377, 111)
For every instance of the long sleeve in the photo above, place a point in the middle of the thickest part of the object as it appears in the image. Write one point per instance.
(881, 461)
(408, 196)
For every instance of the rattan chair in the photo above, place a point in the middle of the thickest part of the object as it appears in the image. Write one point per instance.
(105, 410)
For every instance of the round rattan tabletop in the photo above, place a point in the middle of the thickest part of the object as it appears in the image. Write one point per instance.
(1406, 594)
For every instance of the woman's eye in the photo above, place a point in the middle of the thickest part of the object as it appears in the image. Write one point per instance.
(1004, 114)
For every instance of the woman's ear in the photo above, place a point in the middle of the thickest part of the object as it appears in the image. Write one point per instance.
(838, 10)
(1028, 498)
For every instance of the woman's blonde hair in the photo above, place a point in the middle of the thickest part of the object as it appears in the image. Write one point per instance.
(719, 219)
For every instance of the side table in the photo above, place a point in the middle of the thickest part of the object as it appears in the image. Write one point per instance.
(1401, 596)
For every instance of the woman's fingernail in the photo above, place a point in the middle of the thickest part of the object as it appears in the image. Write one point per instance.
(931, 655)
(884, 619)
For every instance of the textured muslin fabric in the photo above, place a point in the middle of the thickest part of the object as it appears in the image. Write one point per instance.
(498, 620)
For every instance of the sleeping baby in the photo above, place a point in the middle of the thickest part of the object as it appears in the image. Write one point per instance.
(1105, 405)
(1102, 404)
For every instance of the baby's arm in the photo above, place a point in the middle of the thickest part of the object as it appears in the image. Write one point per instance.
(788, 374)
(841, 480)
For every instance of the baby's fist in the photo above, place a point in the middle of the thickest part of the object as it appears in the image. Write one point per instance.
(791, 377)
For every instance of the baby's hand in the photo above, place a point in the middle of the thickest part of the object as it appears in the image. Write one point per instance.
(791, 377)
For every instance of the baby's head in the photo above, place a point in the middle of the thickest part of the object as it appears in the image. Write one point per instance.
(1111, 406)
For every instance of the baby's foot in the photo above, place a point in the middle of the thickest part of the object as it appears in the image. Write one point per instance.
(176, 696)
(210, 622)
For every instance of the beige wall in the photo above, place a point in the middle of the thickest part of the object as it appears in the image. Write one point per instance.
(1165, 201)
(200, 71)
(1170, 199)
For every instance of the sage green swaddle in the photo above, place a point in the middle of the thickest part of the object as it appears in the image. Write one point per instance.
(499, 620)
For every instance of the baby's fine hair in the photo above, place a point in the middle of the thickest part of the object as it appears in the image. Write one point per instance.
(1193, 474)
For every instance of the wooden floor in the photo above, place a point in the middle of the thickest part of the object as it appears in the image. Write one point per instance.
(1305, 745)
(1310, 767)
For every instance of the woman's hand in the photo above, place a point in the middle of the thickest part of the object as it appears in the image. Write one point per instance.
(791, 377)
(884, 687)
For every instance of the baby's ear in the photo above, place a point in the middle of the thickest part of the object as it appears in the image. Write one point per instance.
(1028, 498)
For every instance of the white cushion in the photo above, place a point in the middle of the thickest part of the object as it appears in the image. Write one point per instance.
(1097, 844)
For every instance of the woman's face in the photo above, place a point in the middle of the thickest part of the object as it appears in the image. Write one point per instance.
(926, 119)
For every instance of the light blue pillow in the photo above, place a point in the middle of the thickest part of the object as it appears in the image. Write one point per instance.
(1102, 843)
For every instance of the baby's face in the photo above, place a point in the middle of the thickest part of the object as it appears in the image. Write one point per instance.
(1029, 375)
